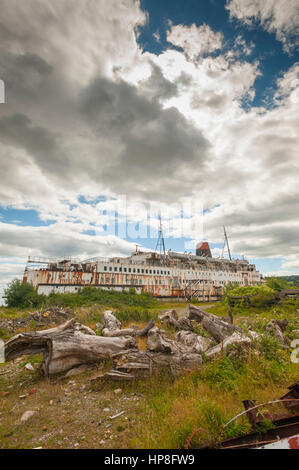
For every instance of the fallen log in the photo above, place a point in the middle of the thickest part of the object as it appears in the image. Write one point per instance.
(235, 338)
(72, 345)
(66, 347)
(158, 341)
(218, 328)
(194, 343)
(170, 318)
(145, 363)
(111, 376)
(112, 327)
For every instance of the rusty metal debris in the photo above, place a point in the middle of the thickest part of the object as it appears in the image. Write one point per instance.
(250, 410)
(283, 435)
(287, 443)
(256, 439)
(293, 393)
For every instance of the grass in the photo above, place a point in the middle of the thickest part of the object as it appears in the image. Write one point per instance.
(162, 412)
(202, 402)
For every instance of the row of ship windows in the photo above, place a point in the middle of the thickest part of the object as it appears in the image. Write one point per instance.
(153, 271)
(136, 281)
(137, 270)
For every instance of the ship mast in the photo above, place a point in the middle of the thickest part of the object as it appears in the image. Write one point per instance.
(160, 242)
(226, 241)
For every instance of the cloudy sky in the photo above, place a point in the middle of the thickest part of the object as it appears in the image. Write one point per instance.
(123, 106)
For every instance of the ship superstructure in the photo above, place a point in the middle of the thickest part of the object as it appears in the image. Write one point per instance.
(169, 274)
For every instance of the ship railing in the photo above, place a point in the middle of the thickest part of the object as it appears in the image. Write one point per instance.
(44, 260)
(97, 259)
(69, 259)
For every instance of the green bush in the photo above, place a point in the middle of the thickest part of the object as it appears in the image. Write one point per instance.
(258, 296)
(277, 283)
(25, 295)
(22, 295)
(224, 372)
(89, 295)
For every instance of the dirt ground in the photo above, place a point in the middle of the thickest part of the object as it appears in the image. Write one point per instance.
(68, 413)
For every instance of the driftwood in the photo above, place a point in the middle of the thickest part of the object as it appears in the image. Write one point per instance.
(277, 327)
(235, 338)
(158, 341)
(170, 318)
(185, 342)
(146, 363)
(224, 333)
(194, 343)
(111, 376)
(65, 347)
(217, 327)
(71, 345)
(112, 327)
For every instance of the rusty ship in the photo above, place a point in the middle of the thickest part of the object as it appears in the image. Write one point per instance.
(162, 274)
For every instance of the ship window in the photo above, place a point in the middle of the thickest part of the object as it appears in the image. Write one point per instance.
(105, 268)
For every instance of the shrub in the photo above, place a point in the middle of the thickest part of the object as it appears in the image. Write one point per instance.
(22, 295)
(277, 284)
(260, 296)
(110, 298)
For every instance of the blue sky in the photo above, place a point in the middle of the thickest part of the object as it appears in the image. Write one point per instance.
(267, 50)
(165, 104)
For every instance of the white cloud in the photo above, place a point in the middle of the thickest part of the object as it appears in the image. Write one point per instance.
(291, 262)
(276, 16)
(280, 272)
(156, 128)
(195, 41)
